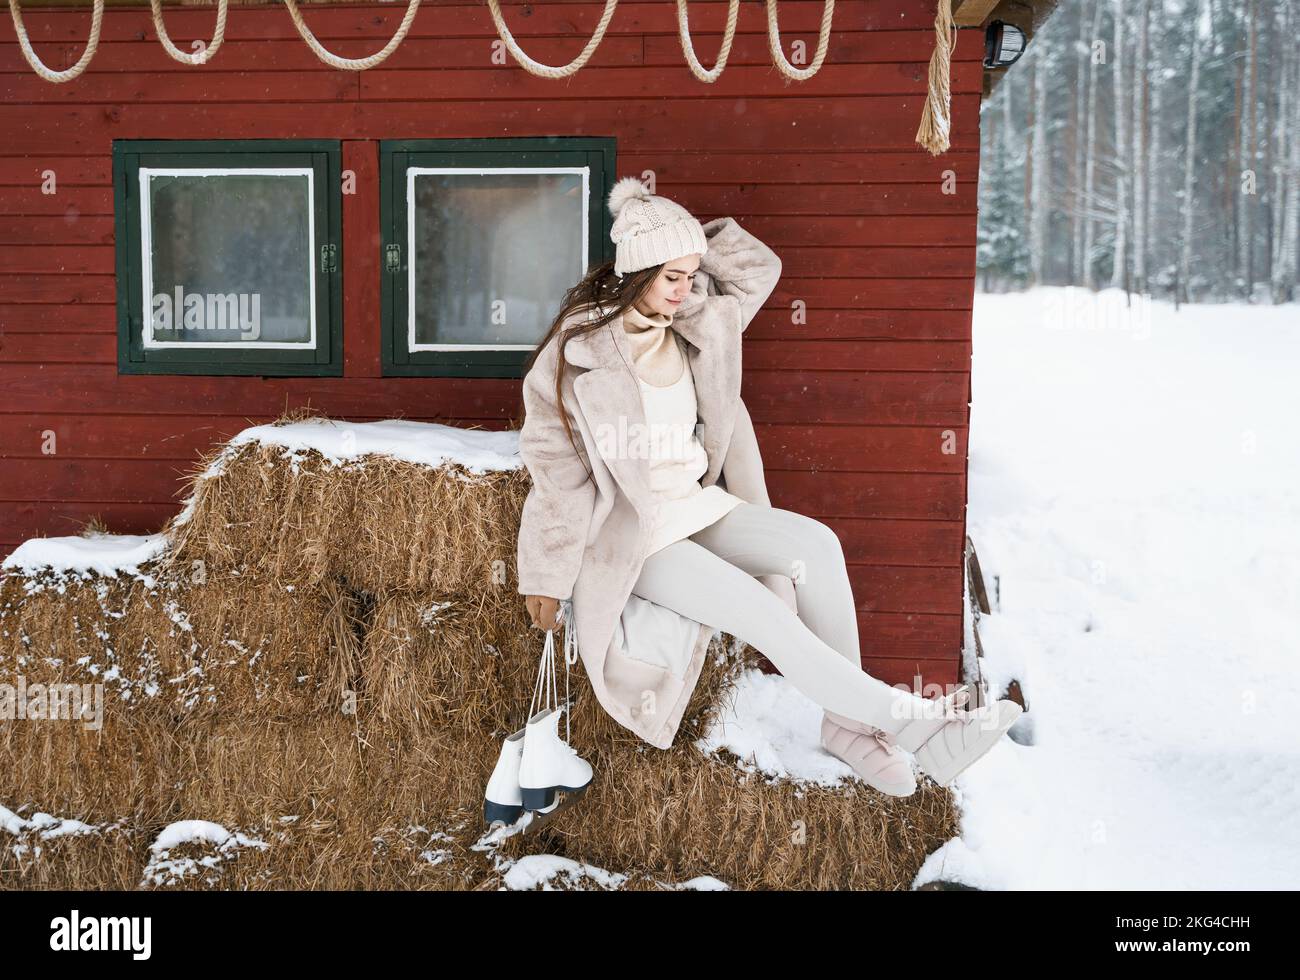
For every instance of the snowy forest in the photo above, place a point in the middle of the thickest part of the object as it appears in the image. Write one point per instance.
(1151, 146)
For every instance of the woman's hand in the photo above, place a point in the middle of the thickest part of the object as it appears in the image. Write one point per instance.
(737, 264)
(544, 611)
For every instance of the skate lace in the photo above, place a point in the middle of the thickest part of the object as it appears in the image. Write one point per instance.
(545, 688)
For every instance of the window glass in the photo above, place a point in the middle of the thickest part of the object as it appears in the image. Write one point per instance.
(492, 249)
(229, 257)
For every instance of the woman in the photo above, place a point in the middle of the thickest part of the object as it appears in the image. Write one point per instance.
(628, 511)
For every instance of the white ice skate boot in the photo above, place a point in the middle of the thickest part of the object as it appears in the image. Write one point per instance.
(549, 763)
(502, 803)
(947, 740)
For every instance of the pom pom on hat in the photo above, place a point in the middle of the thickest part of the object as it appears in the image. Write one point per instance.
(625, 190)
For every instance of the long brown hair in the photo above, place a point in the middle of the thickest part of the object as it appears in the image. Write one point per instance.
(600, 289)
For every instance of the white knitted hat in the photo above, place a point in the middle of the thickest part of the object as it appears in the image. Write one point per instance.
(650, 230)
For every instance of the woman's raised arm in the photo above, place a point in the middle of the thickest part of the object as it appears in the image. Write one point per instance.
(736, 264)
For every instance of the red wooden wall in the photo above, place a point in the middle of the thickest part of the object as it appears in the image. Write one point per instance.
(851, 407)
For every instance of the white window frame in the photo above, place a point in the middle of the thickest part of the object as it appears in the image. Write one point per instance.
(411, 174)
(146, 258)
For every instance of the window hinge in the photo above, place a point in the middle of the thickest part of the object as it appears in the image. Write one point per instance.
(329, 258)
(393, 258)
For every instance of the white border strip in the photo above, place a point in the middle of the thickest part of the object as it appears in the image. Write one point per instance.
(411, 173)
(146, 246)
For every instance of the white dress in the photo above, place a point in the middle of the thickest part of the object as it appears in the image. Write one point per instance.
(678, 461)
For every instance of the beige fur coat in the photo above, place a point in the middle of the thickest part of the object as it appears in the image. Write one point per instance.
(585, 540)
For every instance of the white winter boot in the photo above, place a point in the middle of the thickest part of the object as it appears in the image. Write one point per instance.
(871, 752)
(549, 763)
(503, 803)
(947, 740)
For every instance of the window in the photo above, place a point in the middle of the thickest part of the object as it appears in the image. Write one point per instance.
(228, 257)
(481, 240)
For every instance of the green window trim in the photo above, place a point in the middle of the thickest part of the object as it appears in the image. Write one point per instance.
(595, 155)
(321, 161)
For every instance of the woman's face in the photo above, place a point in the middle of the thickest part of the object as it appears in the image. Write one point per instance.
(668, 289)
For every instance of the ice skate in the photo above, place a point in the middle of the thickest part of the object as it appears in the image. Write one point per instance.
(549, 763)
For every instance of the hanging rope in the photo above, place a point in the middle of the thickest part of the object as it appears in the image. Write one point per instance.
(688, 48)
(352, 64)
(936, 117)
(38, 66)
(778, 56)
(203, 56)
(536, 67)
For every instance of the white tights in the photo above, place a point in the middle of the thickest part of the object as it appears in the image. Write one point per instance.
(708, 577)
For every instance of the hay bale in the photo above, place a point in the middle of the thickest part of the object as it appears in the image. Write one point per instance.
(234, 644)
(427, 855)
(41, 851)
(178, 656)
(684, 814)
(378, 521)
(229, 859)
(431, 664)
(433, 775)
(335, 812)
(245, 771)
(166, 642)
(552, 872)
(445, 681)
(416, 855)
(125, 770)
(289, 854)
(65, 629)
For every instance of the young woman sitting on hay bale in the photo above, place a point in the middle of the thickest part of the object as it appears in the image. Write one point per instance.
(653, 519)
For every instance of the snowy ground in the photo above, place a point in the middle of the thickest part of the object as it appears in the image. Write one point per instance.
(1135, 488)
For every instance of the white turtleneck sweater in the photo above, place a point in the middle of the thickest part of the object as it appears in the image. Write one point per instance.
(677, 457)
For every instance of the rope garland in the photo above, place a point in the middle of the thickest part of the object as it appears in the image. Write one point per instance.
(203, 56)
(536, 67)
(936, 116)
(38, 66)
(823, 42)
(350, 64)
(688, 47)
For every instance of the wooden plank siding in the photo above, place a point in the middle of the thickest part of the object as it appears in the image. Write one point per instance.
(851, 407)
